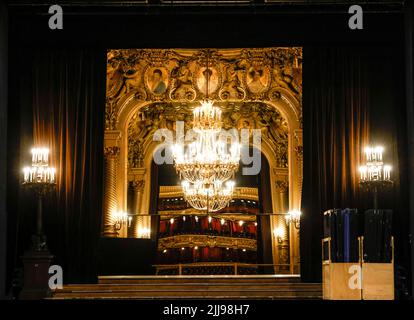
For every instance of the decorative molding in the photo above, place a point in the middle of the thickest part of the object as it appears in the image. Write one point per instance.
(206, 241)
(111, 151)
(282, 185)
(299, 153)
(168, 214)
(138, 185)
(178, 75)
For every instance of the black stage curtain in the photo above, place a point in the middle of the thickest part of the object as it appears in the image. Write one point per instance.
(409, 54)
(3, 143)
(153, 206)
(335, 129)
(264, 232)
(67, 90)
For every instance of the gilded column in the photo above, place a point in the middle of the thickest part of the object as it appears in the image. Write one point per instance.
(294, 230)
(137, 190)
(283, 243)
(110, 197)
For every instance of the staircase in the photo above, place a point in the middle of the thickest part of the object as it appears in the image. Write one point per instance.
(192, 287)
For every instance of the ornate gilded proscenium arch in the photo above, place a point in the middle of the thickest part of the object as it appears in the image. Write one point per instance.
(149, 89)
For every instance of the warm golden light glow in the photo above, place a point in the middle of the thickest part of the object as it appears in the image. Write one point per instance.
(279, 233)
(208, 162)
(374, 168)
(144, 233)
(210, 197)
(39, 172)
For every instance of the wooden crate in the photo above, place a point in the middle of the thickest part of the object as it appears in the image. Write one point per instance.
(335, 282)
(378, 279)
(336, 277)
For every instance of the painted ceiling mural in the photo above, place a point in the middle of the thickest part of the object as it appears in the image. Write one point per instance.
(172, 82)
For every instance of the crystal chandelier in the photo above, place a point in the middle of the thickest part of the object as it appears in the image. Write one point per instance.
(209, 161)
(209, 197)
(207, 117)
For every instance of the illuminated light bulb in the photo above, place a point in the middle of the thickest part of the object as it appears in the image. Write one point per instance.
(209, 219)
(172, 220)
(26, 172)
(241, 222)
(196, 248)
(144, 232)
(222, 221)
(279, 232)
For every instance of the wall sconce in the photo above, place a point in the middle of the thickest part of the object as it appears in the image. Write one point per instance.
(279, 233)
(144, 233)
(121, 219)
(293, 217)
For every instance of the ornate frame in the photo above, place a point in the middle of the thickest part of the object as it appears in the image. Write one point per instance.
(128, 95)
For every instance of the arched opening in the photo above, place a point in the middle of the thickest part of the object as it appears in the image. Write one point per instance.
(137, 113)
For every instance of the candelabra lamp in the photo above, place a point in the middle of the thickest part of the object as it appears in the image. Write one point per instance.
(293, 217)
(121, 220)
(39, 179)
(375, 175)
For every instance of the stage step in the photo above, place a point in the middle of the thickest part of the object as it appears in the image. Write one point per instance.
(192, 287)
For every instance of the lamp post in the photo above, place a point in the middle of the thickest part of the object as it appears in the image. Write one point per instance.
(375, 175)
(40, 179)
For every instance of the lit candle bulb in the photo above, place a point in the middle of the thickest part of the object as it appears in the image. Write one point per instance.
(33, 156)
(363, 172)
(26, 172)
(45, 155)
(387, 172)
(52, 174)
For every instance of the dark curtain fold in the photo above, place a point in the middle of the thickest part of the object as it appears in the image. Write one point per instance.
(264, 232)
(409, 55)
(335, 117)
(68, 109)
(153, 206)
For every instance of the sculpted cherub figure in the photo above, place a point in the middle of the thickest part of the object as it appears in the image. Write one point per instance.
(231, 87)
(284, 77)
(132, 79)
(182, 79)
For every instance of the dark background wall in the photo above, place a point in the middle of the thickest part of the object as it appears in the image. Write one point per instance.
(3, 143)
(409, 69)
(95, 29)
